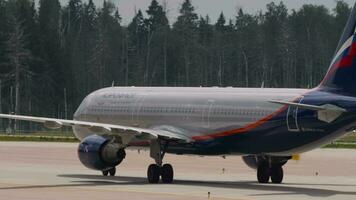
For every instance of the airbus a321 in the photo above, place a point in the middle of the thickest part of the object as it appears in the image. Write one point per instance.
(265, 126)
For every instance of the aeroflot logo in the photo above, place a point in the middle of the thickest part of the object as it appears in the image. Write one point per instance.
(119, 96)
(86, 150)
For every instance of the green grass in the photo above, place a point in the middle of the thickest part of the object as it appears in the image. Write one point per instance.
(348, 138)
(40, 136)
(341, 146)
(42, 133)
(64, 134)
(346, 142)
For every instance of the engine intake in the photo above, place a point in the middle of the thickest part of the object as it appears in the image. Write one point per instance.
(98, 153)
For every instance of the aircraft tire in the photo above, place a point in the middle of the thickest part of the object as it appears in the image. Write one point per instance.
(105, 173)
(167, 173)
(153, 173)
(112, 171)
(277, 174)
(263, 173)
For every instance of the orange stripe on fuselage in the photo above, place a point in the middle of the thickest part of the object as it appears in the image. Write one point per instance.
(240, 130)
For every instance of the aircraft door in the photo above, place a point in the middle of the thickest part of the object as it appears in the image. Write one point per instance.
(292, 118)
(206, 113)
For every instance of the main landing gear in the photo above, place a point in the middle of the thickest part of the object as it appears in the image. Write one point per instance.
(157, 170)
(265, 172)
(110, 172)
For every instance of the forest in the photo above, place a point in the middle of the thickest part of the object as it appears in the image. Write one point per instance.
(53, 55)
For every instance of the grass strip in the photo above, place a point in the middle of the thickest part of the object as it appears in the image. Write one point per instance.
(341, 145)
(38, 138)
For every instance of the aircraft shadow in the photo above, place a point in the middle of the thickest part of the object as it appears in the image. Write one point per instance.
(272, 189)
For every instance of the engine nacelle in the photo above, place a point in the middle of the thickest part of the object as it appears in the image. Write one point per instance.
(98, 153)
(253, 161)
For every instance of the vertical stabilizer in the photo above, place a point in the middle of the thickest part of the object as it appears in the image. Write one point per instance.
(341, 76)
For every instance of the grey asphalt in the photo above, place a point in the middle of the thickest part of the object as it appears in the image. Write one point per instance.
(31, 170)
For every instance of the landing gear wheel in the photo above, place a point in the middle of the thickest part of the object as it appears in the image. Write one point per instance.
(263, 174)
(105, 173)
(277, 174)
(167, 173)
(153, 173)
(112, 171)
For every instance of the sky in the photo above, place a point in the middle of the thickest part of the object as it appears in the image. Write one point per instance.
(211, 7)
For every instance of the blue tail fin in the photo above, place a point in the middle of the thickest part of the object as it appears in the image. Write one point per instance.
(341, 76)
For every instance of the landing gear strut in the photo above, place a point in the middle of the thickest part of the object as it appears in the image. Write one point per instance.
(155, 171)
(264, 172)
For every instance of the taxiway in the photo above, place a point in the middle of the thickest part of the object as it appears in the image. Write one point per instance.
(31, 170)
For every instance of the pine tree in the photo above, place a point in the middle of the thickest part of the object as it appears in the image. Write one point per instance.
(274, 36)
(156, 16)
(18, 58)
(185, 29)
(205, 39)
(137, 33)
(108, 49)
(220, 48)
(54, 69)
(4, 31)
(88, 38)
(342, 13)
(220, 24)
(156, 39)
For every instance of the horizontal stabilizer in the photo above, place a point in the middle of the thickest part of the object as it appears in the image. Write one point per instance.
(310, 107)
(327, 113)
(300, 105)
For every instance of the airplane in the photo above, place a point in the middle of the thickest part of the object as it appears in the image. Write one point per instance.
(265, 126)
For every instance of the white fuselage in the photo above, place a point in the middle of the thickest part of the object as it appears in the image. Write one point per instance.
(188, 111)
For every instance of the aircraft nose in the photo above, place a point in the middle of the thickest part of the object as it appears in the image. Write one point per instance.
(77, 113)
(81, 110)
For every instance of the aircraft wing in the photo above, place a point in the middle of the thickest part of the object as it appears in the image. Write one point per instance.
(125, 132)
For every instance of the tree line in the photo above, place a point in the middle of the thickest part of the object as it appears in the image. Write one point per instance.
(52, 55)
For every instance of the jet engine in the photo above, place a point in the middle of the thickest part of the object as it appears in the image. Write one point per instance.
(99, 153)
